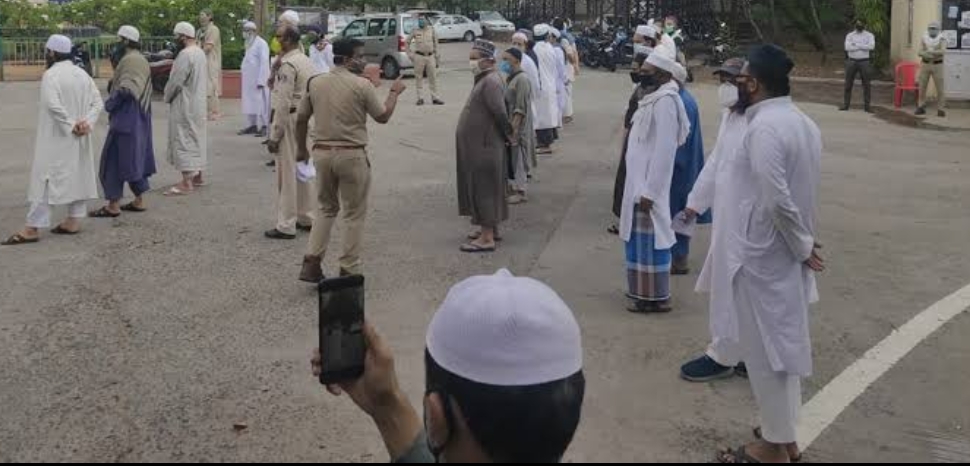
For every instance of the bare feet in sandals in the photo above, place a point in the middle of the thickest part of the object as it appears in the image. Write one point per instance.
(793, 452)
(756, 452)
(25, 236)
(179, 190)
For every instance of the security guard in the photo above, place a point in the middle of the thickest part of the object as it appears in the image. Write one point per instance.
(340, 103)
(931, 52)
(423, 49)
(295, 206)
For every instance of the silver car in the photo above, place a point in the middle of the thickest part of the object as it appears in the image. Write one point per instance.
(385, 38)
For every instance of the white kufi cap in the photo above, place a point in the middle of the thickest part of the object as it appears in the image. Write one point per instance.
(506, 331)
(680, 73)
(249, 26)
(291, 17)
(555, 33)
(662, 61)
(130, 33)
(541, 30)
(646, 30)
(185, 29)
(59, 44)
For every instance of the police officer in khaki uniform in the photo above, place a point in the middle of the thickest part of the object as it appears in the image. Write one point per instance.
(932, 51)
(423, 50)
(340, 102)
(296, 205)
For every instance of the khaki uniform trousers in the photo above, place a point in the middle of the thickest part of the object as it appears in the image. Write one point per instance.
(343, 185)
(295, 203)
(927, 72)
(429, 64)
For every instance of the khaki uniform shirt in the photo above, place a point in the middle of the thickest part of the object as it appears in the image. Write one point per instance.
(340, 102)
(290, 87)
(424, 41)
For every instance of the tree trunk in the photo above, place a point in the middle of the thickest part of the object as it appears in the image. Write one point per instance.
(746, 7)
(818, 29)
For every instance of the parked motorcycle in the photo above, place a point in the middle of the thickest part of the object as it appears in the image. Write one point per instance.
(161, 65)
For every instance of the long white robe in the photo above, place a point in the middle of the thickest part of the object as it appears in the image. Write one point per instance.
(548, 115)
(561, 78)
(532, 71)
(322, 59)
(255, 74)
(186, 92)
(777, 182)
(64, 165)
(660, 126)
(717, 188)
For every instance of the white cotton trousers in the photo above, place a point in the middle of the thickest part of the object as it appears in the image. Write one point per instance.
(258, 121)
(521, 181)
(39, 215)
(724, 352)
(778, 394)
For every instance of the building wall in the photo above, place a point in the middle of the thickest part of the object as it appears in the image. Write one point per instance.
(910, 19)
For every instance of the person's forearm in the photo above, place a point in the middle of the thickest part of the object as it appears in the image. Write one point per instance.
(302, 128)
(389, 105)
(399, 426)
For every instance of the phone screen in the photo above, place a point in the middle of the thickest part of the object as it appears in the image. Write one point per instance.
(342, 344)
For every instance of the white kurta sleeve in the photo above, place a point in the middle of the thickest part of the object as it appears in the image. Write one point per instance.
(97, 104)
(262, 54)
(662, 147)
(176, 81)
(55, 106)
(328, 56)
(849, 44)
(769, 164)
(701, 198)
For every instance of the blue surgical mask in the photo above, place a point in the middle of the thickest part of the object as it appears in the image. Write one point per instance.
(506, 68)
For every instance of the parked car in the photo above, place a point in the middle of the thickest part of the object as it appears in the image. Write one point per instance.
(385, 39)
(424, 13)
(493, 21)
(456, 27)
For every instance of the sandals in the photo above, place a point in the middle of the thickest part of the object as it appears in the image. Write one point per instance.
(59, 230)
(757, 430)
(18, 239)
(176, 191)
(476, 249)
(103, 213)
(736, 456)
(613, 230)
(131, 207)
(478, 234)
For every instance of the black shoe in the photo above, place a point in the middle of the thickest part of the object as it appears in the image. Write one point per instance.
(438, 102)
(741, 370)
(271, 163)
(920, 111)
(420, 102)
(705, 369)
(844, 108)
(247, 131)
(261, 133)
(941, 114)
(304, 227)
(869, 110)
(276, 234)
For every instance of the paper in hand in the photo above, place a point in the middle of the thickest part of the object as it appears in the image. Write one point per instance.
(305, 172)
(682, 226)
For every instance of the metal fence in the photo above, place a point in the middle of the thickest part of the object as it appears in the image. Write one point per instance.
(24, 58)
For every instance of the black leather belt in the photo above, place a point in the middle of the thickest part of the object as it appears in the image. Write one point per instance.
(425, 54)
(859, 59)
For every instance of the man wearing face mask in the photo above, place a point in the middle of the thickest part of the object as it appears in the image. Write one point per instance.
(520, 41)
(186, 93)
(339, 103)
(518, 103)
(548, 115)
(644, 40)
(932, 51)
(481, 137)
(423, 48)
(255, 73)
(660, 126)
(716, 189)
(859, 44)
(321, 50)
(504, 378)
(774, 254)
(639, 91)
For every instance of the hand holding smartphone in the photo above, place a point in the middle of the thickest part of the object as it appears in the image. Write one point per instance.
(342, 342)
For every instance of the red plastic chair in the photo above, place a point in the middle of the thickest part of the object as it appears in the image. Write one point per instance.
(906, 81)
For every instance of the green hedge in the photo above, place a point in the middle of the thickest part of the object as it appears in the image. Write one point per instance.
(232, 55)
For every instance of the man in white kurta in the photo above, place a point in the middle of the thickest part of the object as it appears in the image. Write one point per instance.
(186, 93)
(548, 116)
(255, 74)
(717, 189)
(63, 171)
(777, 181)
(321, 54)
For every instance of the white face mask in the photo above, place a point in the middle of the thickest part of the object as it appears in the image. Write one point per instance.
(727, 95)
(476, 70)
(642, 49)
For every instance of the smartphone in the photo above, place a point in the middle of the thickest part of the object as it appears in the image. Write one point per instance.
(342, 345)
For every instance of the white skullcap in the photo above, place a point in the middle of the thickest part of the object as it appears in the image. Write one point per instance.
(680, 73)
(555, 33)
(663, 62)
(185, 29)
(646, 30)
(541, 30)
(291, 17)
(59, 44)
(665, 50)
(934, 25)
(520, 36)
(506, 331)
(130, 33)
(249, 25)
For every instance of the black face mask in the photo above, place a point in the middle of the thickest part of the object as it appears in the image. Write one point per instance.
(648, 81)
(745, 99)
(635, 77)
(859, 28)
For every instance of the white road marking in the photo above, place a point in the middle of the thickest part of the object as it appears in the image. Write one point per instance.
(835, 397)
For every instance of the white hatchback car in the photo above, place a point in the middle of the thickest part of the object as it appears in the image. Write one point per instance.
(456, 27)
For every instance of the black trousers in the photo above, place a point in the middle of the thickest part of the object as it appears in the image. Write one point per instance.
(852, 68)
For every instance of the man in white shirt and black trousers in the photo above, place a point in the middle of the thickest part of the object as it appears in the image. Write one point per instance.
(859, 44)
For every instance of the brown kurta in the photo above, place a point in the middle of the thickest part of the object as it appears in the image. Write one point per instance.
(483, 129)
